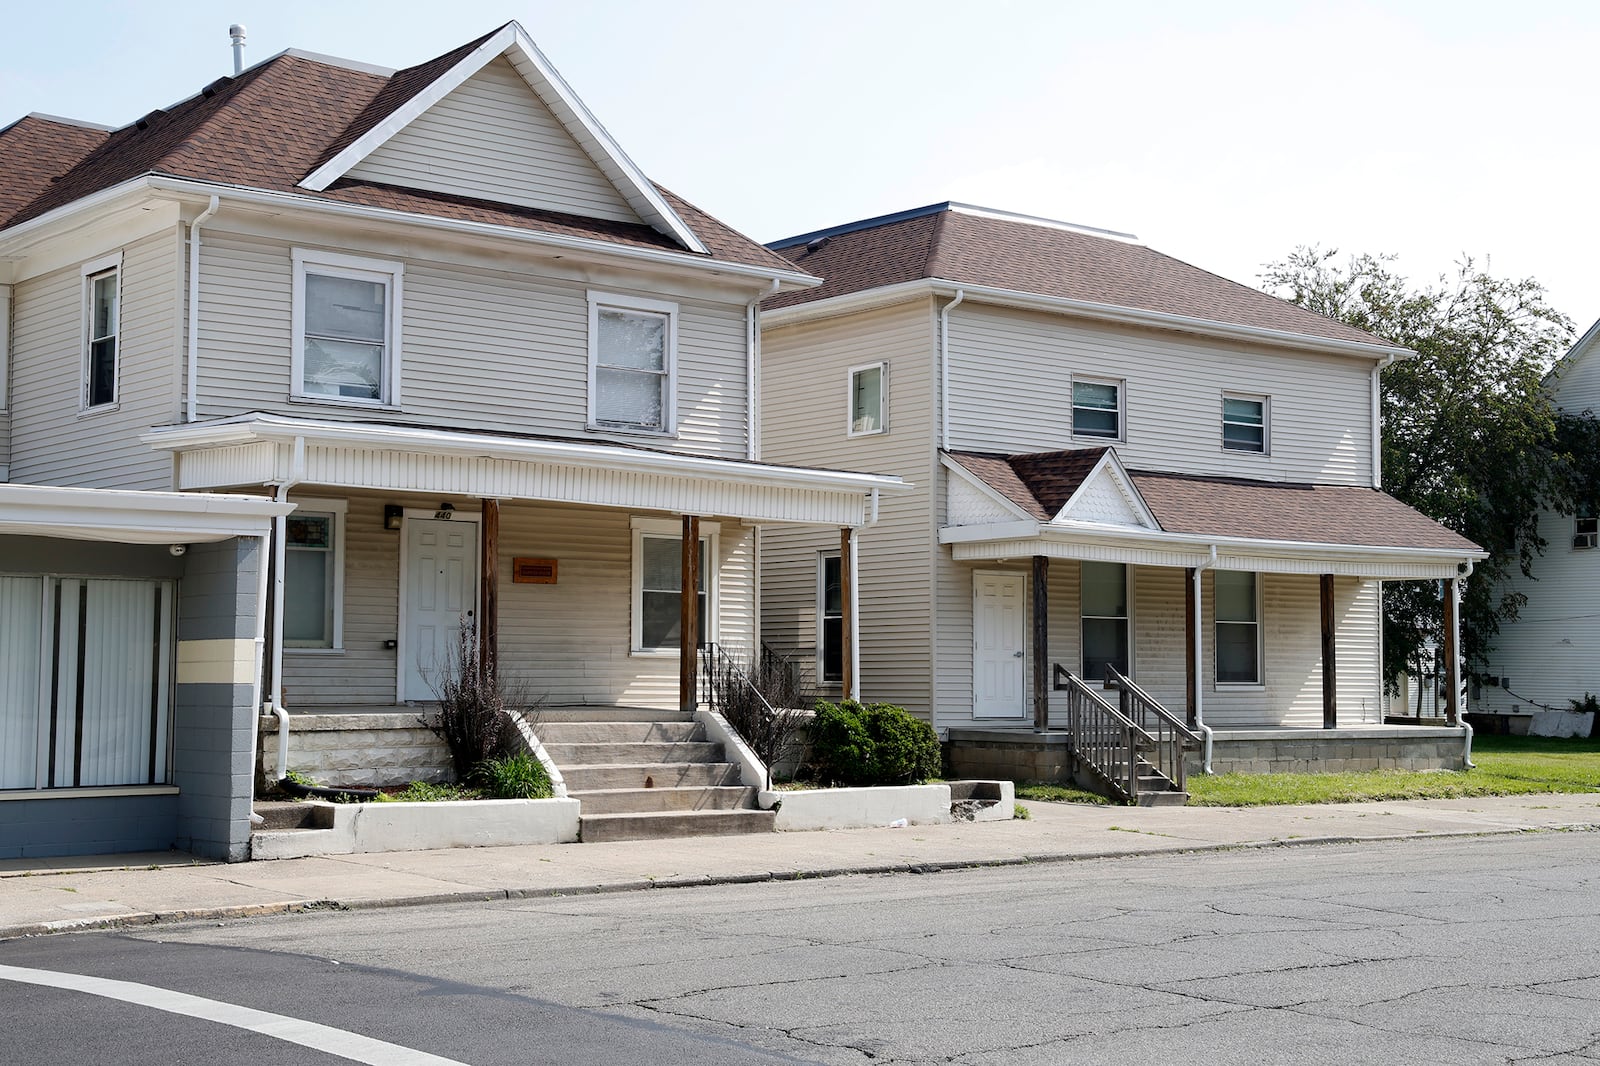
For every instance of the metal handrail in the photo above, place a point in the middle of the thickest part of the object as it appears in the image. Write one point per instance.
(1170, 735)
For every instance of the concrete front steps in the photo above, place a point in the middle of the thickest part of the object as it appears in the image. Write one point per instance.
(643, 775)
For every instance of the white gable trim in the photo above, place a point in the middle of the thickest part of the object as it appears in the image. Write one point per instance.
(982, 488)
(1108, 468)
(514, 43)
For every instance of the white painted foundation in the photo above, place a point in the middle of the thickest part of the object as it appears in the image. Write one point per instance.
(360, 828)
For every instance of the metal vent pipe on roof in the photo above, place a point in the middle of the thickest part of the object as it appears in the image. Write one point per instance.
(236, 31)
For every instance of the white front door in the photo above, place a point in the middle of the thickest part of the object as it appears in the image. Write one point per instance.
(441, 592)
(998, 661)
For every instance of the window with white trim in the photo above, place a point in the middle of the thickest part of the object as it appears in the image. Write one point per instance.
(1586, 528)
(868, 402)
(633, 345)
(830, 620)
(1097, 408)
(658, 584)
(1244, 423)
(1237, 607)
(313, 575)
(346, 323)
(1104, 604)
(102, 322)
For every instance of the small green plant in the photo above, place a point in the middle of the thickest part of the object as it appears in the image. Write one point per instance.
(876, 744)
(519, 776)
(295, 777)
(427, 792)
(1047, 792)
(1020, 813)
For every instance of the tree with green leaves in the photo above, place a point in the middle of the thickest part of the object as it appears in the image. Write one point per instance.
(1470, 436)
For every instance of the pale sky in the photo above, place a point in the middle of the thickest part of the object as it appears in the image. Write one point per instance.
(1223, 132)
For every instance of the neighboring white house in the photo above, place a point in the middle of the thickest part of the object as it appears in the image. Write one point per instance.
(1550, 656)
(1099, 428)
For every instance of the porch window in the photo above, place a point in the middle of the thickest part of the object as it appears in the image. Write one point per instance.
(830, 621)
(1105, 619)
(85, 682)
(1238, 620)
(346, 329)
(1097, 409)
(1585, 529)
(867, 400)
(313, 569)
(102, 300)
(658, 584)
(632, 352)
(1244, 424)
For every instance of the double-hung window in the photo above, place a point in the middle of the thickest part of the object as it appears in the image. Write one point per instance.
(1097, 408)
(1586, 528)
(1238, 618)
(1105, 619)
(867, 400)
(633, 346)
(658, 584)
(830, 620)
(313, 575)
(102, 314)
(346, 319)
(1244, 424)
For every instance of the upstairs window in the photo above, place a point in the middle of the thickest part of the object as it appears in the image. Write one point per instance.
(346, 329)
(1244, 424)
(1586, 529)
(102, 307)
(867, 400)
(632, 363)
(1097, 409)
(1238, 620)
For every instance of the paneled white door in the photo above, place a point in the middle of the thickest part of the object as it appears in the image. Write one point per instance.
(441, 592)
(998, 659)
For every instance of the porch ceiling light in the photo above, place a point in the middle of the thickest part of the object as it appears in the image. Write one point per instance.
(392, 515)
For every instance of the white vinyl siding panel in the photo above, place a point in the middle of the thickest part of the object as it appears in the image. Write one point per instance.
(1010, 391)
(804, 395)
(52, 443)
(492, 138)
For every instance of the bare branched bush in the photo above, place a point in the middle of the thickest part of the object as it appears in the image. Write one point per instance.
(477, 710)
(766, 700)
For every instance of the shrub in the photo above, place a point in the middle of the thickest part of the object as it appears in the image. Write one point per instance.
(426, 792)
(475, 715)
(519, 776)
(879, 744)
(761, 699)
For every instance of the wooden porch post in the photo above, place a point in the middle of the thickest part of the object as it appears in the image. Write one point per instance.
(689, 617)
(1191, 642)
(1330, 672)
(1041, 642)
(489, 592)
(847, 615)
(1452, 651)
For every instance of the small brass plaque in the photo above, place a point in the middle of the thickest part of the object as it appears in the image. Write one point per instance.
(533, 571)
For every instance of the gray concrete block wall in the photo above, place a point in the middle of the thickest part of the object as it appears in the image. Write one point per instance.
(85, 825)
(1299, 755)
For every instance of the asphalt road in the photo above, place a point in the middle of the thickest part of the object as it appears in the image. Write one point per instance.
(1463, 951)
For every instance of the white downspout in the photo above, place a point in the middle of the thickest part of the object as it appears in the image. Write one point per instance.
(752, 374)
(1199, 669)
(1455, 670)
(1377, 422)
(191, 398)
(944, 368)
(297, 473)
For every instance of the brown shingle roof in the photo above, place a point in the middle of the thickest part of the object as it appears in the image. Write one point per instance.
(963, 245)
(270, 127)
(1041, 483)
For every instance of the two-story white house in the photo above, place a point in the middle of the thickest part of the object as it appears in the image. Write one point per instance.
(499, 373)
(1122, 463)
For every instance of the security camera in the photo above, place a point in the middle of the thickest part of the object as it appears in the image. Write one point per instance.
(177, 549)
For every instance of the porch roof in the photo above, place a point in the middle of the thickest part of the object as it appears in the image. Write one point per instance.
(124, 516)
(1192, 520)
(266, 449)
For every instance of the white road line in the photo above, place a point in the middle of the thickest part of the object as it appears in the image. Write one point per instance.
(339, 1042)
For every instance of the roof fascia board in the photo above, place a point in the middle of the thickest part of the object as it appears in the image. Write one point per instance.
(1575, 353)
(282, 200)
(279, 429)
(983, 487)
(850, 302)
(130, 188)
(1110, 461)
(102, 514)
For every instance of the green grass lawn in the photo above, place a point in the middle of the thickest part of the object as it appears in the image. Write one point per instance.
(1507, 766)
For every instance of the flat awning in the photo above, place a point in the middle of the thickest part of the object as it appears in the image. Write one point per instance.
(263, 449)
(1082, 504)
(124, 516)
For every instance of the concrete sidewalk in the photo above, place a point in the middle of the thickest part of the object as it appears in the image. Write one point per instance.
(57, 895)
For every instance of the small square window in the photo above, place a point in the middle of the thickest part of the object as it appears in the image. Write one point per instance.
(102, 306)
(867, 400)
(1244, 424)
(1097, 409)
(632, 352)
(1586, 530)
(346, 329)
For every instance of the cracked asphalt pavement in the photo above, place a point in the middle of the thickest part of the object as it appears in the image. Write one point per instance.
(1443, 951)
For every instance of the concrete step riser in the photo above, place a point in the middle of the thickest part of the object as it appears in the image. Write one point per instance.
(564, 755)
(641, 800)
(609, 714)
(618, 732)
(663, 826)
(696, 775)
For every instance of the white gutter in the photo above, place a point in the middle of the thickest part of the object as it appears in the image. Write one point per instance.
(297, 472)
(944, 368)
(1377, 423)
(1199, 671)
(191, 399)
(752, 374)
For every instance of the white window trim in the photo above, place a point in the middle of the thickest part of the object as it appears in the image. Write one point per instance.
(1127, 577)
(1120, 385)
(338, 509)
(5, 356)
(388, 272)
(850, 400)
(1579, 534)
(665, 528)
(88, 272)
(599, 301)
(1260, 683)
(822, 592)
(1266, 422)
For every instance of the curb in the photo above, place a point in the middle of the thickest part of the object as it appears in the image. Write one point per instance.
(135, 919)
